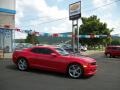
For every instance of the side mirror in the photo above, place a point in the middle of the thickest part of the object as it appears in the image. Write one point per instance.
(53, 54)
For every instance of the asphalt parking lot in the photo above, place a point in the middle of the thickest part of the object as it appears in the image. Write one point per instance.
(107, 77)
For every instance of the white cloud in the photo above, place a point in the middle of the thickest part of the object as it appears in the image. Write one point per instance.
(53, 11)
(60, 0)
(64, 27)
(98, 3)
(50, 13)
(19, 35)
(19, 13)
(106, 13)
(115, 24)
(105, 6)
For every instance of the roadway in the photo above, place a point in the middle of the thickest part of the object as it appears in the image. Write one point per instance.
(107, 77)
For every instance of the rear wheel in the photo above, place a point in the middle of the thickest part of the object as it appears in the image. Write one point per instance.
(75, 71)
(22, 64)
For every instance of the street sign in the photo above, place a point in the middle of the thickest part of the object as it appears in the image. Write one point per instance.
(75, 11)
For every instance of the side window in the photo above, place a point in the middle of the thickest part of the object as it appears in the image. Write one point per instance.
(118, 48)
(46, 51)
(35, 50)
(114, 48)
(41, 51)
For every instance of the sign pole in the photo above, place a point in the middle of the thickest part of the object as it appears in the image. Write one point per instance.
(73, 35)
(74, 15)
(77, 37)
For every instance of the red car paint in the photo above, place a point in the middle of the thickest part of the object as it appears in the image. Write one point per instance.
(112, 51)
(55, 61)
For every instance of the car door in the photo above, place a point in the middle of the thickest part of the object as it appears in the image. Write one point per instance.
(42, 58)
(113, 51)
(34, 57)
(50, 61)
(45, 58)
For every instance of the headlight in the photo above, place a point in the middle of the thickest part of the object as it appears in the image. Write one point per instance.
(89, 64)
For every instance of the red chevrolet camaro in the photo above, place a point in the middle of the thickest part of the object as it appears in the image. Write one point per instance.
(54, 59)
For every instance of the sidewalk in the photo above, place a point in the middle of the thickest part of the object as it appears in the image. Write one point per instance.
(91, 52)
(6, 56)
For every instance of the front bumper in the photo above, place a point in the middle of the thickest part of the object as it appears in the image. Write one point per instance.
(90, 70)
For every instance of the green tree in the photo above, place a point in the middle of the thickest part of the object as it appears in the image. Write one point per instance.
(115, 41)
(92, 25)
(32, 39)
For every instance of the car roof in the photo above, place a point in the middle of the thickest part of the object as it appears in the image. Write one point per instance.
(114, 46)
(45, 46)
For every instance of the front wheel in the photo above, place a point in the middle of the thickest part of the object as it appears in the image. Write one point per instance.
(108, 55)
(22, 64)
(75, 71)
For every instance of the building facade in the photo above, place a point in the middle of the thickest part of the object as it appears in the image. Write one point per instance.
(7, 24)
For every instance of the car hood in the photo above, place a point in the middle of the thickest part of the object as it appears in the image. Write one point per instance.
(82, 58)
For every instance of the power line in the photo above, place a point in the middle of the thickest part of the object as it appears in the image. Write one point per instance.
(41, 17)
(68, 17)
(50, 21)
(102, 6)
(55, 20)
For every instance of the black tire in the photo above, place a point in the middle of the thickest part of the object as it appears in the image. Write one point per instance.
(22, 64)
(75, 71)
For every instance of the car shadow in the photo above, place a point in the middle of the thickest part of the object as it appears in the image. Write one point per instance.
(44, 72)
(37, 71)
(12, 67)
(47, 73)
(56, 74)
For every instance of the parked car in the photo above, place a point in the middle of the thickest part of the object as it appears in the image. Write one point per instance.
(112, 51)
(83, 48)
(56, 59)
(67, 47)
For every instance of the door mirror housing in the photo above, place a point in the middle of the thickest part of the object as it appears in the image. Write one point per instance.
(54, 54)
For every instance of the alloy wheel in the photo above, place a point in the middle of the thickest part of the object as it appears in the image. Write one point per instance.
(22, 64)
(75, 71)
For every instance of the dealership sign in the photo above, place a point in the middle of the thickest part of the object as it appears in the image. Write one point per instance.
(75, 11)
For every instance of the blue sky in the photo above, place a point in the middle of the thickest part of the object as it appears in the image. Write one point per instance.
(33, 14)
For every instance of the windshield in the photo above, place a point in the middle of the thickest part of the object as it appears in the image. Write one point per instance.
(62, 51)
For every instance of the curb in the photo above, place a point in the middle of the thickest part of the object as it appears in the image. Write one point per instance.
(3, 59)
